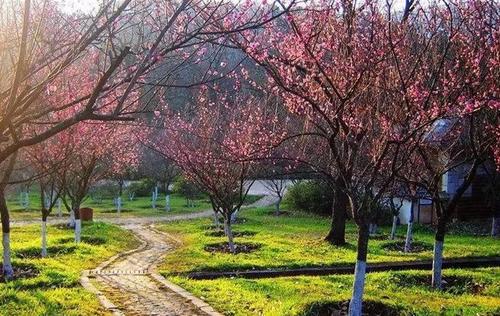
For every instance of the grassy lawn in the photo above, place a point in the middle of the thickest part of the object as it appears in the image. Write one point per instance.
(53, 286)
(293, 241)
(139, 207)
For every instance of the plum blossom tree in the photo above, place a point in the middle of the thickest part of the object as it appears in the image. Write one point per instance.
(99, 150)
(44, 50)
(217, 148)
(371, 83)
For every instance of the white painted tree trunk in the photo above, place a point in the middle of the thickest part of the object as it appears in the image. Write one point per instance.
(356, 303)
(44, 239)
(373, 229)
(167, 202)
(409, 237)
(119, 204)
(234, 216)
(394, 227)
(229, 234)
(495, 226)
(71, 222)
(78, 230)
(8, 272)
(154, 196)
(27, 200)
(59, 208)
(437, 264)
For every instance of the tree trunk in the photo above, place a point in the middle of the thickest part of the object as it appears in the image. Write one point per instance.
(71, 222)
(336, 235)
(409, 231)
(78, 225)
(394, 227)
(355, 305)
(167, 202)
(119, 204)
(229, 233)
(44, 238)
(277, 211)
(59, 208)
(373, 229)
(153, 198)
(45, 215)
(8, 272)
(495, 226)
(437, 259)
(409, 237)
(234, 216)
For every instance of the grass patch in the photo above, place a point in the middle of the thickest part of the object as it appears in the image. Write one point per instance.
(416, 246)
(139, 207)
(223, 247)
(35, 252)
(297, 241)
(304, 295)
(53, 288)
(329, 308)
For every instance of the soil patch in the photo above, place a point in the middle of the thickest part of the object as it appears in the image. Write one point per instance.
(21, 271)
(239, 247)
(114, 211)
(220, 233)
(416, 246)
(370, 308)
(281, 213)
(453, 284)
(52, 251)
(91, 240)
(386, 237)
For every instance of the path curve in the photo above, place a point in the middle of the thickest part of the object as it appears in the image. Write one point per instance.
(132, 286)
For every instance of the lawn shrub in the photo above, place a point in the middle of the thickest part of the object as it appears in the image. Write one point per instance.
(311, 196)
(142, 188)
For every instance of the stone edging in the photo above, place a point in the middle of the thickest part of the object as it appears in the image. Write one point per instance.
(85, 281)
(106, 303)
(202, 305)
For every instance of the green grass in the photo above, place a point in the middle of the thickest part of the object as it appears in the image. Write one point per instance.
(56, 289)
(297, 241)
(294, 295)
(139, 207)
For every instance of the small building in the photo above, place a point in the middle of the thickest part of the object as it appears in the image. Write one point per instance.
(480, 201)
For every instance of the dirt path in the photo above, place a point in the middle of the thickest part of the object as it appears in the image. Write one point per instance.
(132, 286)
(122, 220)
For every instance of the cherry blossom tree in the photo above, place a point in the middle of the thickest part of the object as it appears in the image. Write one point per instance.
(371, 83)
(44, 51)
(100, 150)
(217, 146)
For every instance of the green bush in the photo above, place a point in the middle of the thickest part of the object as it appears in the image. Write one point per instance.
(142, 188)
(312, 196)
(187, 189)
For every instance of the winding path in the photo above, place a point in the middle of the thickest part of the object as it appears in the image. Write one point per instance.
(129, 284)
